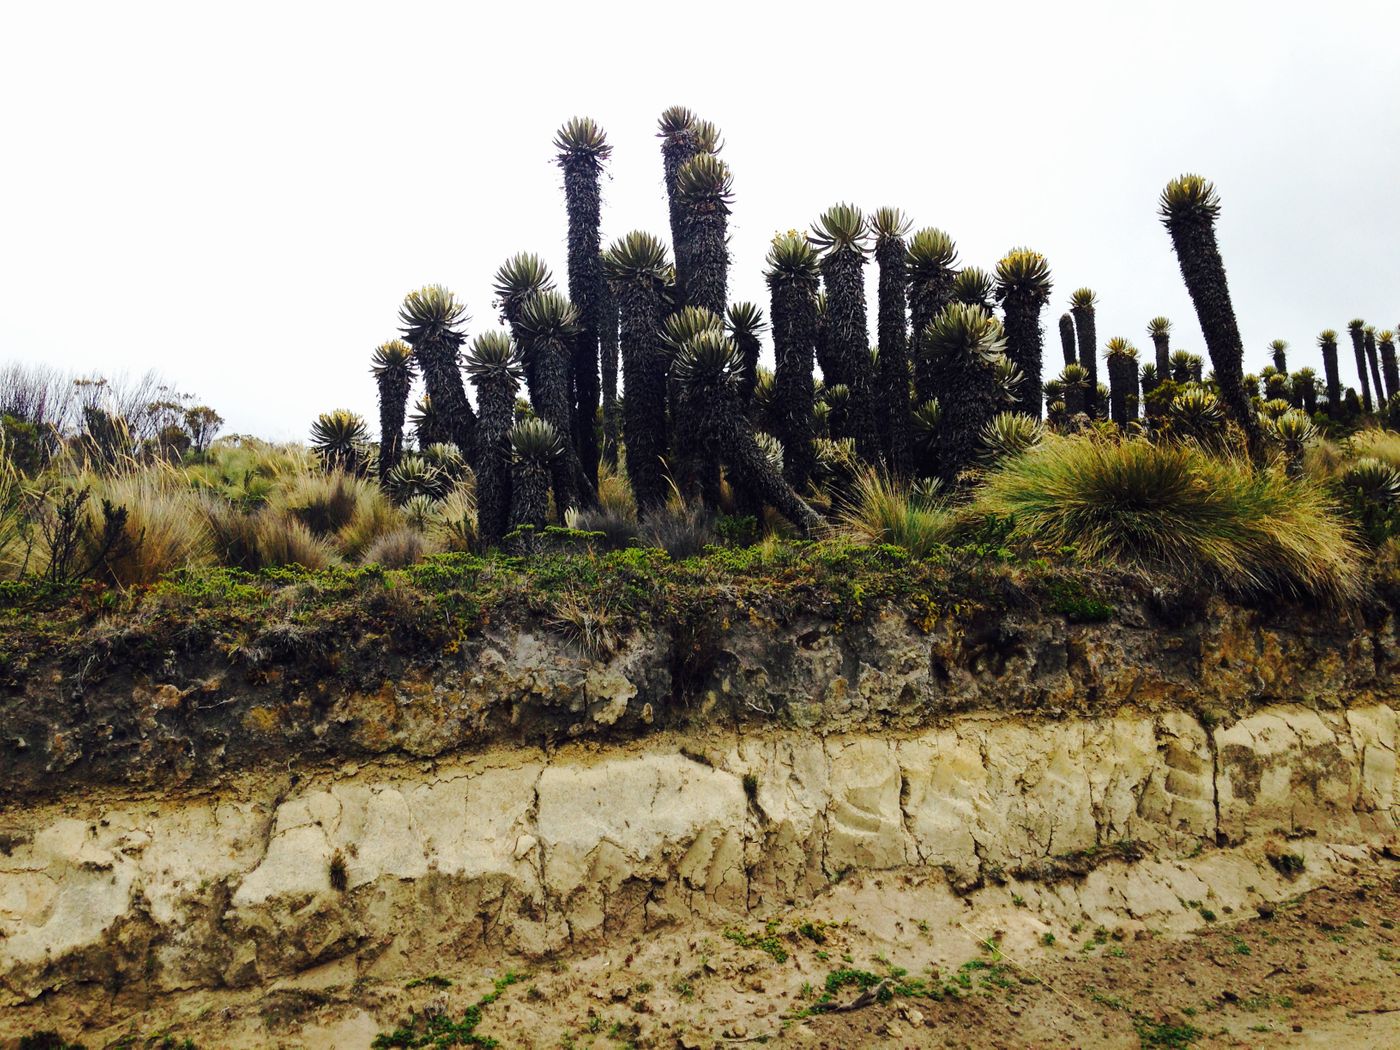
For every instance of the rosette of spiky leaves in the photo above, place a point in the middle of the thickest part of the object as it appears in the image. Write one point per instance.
(930, 265)
(686, 322)
(1370, 491)
(1294, 431)
(636, 267)
(968, 345)
(1277, 387)
(893, 372)
(495, 368)
(1278, 354)
(1009, 381)
(841, 235)
(1010, 434)
(536, 447)
(1067, 338)
(431, 320)
(1181, 364)
(837, 468)
(429, 313)
(582, 141)
(707, 370)
(1327, 341)
(1054, 390)
(707, 137)
(428, 428)
(1075, 382)
(1023, 288)
(339, 438)
(1195, 363)
(974, 286)
(447, 458)
(1160, 331)
(582, 150)
(1122, 380)
(925, 421)
(689, 473)
(1305, 389)
(420, 512)
(1275, 407)
(550, 323)
(414, 476)
(393, 369)
(1189, 207)
(1081, 305)
(765, 407)
(772, 450)
(792, 273)
(744, 322)
(836, 400)
(1196, 413)
(841, 228)
(704, 191)
(518, 278)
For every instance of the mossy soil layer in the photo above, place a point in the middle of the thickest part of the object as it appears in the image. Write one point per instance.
(219, 671)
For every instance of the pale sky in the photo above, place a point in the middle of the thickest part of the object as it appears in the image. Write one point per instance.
(239, 195)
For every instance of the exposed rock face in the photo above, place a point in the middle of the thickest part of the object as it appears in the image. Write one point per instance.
(534, 852)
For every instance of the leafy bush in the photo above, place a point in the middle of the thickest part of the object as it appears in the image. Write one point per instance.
(1176, 508)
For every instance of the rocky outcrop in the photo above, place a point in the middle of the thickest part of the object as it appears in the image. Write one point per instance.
(533, 851)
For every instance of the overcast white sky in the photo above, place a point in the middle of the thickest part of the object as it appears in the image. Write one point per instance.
(240, 195)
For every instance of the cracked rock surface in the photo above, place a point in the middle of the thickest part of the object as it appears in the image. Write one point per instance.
(536, 853)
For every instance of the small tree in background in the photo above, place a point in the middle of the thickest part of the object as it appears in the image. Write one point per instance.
(1067, 338)
(840, 235)
(1354, 327)
(1189, 208)
(1023, 286)
(495, 369)
(793, 277)
(894, 376)
(393, 370)
(1081, 304)
(1160, 331)
(1327, 340)
(432, 321)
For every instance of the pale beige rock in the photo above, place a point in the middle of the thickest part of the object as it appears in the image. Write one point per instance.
(533, 852)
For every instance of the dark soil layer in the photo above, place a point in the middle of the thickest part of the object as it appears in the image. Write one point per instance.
(219, 671)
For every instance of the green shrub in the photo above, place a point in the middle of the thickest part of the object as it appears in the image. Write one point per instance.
(1176, 508)
(884, 510)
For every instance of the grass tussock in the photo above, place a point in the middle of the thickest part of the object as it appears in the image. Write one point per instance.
(165, 529)
(1179, 509)
(886, 510)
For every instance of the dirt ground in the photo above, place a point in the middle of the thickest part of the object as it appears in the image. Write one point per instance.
(889, 960)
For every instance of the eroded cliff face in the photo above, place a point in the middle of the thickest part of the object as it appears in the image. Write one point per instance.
(201, 827)
(537, 853)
